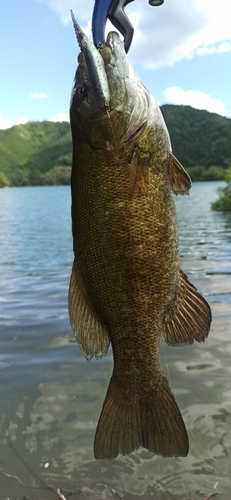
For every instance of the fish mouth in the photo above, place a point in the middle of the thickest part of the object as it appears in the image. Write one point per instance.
(93, 64)
(101, 73)
(106, 84)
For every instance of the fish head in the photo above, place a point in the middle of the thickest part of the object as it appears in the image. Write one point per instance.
(109, 103)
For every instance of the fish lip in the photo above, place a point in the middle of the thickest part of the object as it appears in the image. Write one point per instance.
(95, 66)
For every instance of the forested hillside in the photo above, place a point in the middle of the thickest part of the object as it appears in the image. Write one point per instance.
(200, 140)
(39, 153)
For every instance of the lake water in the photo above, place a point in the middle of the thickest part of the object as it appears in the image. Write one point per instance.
(50, 397)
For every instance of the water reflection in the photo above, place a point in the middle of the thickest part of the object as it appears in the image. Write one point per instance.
(51, 397)
(54, 428)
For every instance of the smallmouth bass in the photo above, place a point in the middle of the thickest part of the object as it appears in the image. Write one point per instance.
(127, 287)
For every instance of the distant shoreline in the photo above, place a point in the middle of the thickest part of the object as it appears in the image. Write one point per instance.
(40, 153)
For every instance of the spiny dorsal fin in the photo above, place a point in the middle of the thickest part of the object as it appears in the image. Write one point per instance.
(180, 181)
(90, 334)
(190, 319)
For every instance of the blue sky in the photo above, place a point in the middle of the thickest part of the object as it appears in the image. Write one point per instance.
(181, 50)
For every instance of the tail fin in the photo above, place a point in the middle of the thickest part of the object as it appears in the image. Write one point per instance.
(150, 419)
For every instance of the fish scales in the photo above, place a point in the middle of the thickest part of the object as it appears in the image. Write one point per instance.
(120, 247)
(127, 287)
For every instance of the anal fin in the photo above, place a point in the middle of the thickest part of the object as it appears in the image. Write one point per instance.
(190, 319)
(90, 333)
(180, 181)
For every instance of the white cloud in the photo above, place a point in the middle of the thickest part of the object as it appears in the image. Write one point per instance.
(223, 47)
(198, 100)
(60, 117)
(164, 35)
(21, 120)
(179, 30)
(39, 95)
(4, 123)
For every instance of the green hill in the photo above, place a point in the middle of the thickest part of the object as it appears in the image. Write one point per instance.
(39, 153)
(36, 153)
(200, 140)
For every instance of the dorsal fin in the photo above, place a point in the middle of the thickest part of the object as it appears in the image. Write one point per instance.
(180, 181)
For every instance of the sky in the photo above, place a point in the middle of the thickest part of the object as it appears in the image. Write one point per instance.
(181, 50)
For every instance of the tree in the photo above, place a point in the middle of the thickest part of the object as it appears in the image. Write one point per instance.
(4, 181)
(223, 203)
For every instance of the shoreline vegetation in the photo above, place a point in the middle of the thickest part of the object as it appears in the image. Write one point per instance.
(223, 203)
(40, 153)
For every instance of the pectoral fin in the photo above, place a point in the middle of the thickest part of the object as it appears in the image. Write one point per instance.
(180, 181)
(90, 334)
(190, 319)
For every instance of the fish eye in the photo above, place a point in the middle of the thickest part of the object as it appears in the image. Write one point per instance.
(81, 91)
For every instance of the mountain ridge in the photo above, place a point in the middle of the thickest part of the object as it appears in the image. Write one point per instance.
(39, 153)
